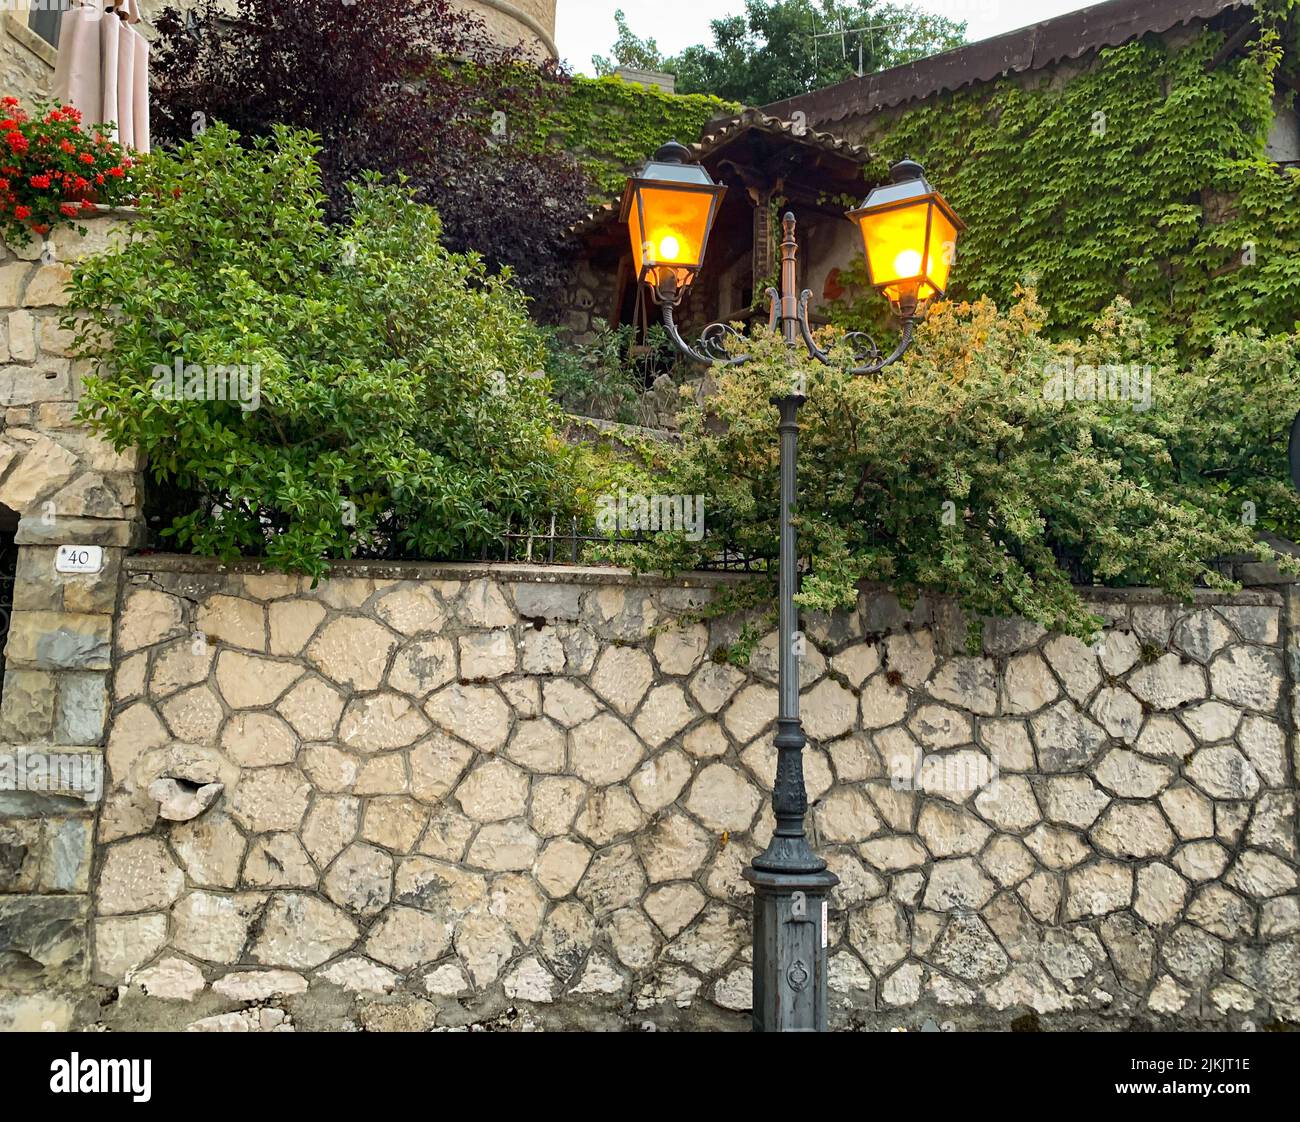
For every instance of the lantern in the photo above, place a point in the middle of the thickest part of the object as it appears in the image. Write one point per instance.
(669, 210)
(910, 235)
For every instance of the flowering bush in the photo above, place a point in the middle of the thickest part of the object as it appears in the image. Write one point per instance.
(52, 171)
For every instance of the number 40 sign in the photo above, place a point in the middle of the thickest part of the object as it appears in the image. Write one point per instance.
(79, 559)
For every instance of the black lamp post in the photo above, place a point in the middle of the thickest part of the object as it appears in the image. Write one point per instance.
(909, 234)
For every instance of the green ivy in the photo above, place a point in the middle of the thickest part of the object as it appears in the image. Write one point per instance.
(613, 126)
(1144, 176)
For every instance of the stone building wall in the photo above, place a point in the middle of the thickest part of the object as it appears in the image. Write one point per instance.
(60, 486)
(425, 794)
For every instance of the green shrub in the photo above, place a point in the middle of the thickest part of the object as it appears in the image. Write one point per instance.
(399, 405)
(606, 377)
(960, 470)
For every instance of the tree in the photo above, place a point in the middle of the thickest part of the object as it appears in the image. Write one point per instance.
(641, 54)
(781, 48)
(417, 91)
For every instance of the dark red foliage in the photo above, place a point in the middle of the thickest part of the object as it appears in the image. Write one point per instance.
(402, 88)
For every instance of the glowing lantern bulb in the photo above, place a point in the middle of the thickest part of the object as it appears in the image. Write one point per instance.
(669, 248)
(907, 263)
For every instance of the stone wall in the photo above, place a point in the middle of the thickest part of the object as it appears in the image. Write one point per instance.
(62, 486)
(425, 794)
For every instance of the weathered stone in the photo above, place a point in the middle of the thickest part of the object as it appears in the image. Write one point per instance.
(302, 932)
(353, 652)
(554, 805)
(504, 847)
(1202, 634)
(722, 799)
(1133, 830)
(1007, 860)
(949, 831)
(211, 849)
(394, 822)
(659, 781)
(1008, 743)
(139, 875)
(213, 927)
(568, 702)
(1211, 721)
(622, 677)
(170, 979)
(269, 799)
(381, 722)
(1260, 874)
(938, 726)
(1264, 744)
(1168, 683)
(360, 880)
(665, 713)
(292, 623)
(422, 666)
(968, 949)
(1066, 739)
(613, 880)
(674, 848)
(248, 682)
(1028, 684)
(968, 683)
(1009, 803)
(753, 709)
(857, 663)
(179, 802)
(1164, 738)
(911, 655)
(487, 655)
(1160, 894)
(1131, 776)
(714, 685)
(878, 932)
(1075, 664)
(845, 815)
(405, 938)
(1190, 812)
(883, 704)
(957, 882)
(124, 943)
(1118, 712)
(1202, 860)
(411, 610)
(1249, 677)
(1098, 889)
(236, 622)
(476, 714)
(313, 708)
(1222, 772)
(259, 740)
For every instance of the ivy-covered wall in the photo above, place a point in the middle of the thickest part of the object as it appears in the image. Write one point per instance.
(1144, 174)
(613, 127)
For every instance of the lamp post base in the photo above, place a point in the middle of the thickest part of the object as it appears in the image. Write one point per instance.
(790, 940)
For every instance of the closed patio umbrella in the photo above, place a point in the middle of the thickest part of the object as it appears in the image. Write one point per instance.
(103, 69)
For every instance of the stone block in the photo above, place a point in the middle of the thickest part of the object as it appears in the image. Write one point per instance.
(59, 641)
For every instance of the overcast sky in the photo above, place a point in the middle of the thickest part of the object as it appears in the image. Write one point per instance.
(586, 27)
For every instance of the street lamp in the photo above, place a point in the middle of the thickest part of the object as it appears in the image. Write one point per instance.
(910, 234)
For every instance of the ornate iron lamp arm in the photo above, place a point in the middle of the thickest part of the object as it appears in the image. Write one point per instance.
(806, 329)
(904, 342)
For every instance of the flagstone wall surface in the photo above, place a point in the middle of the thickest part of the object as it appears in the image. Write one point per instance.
(421, 795)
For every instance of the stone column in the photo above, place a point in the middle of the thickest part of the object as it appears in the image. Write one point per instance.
(67, 488)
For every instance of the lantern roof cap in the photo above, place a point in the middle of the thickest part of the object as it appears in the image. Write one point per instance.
(672, 164)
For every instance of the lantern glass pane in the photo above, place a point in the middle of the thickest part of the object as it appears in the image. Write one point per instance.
(894, 240)
(676, 224)
(943, 252)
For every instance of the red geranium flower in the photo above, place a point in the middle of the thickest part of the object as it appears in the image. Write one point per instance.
(87, 158)
(68, 210)
(23, 211)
